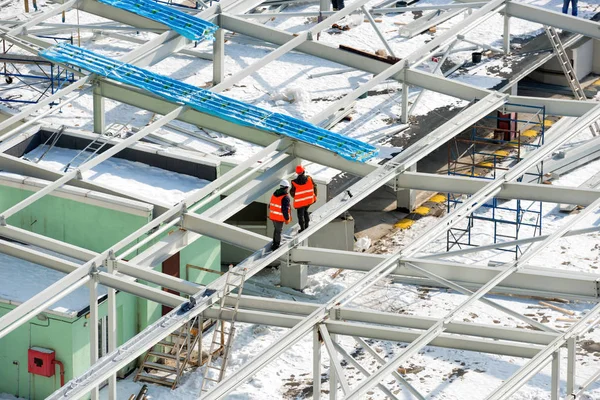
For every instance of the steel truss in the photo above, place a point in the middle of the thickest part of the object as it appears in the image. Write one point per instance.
(280, 155)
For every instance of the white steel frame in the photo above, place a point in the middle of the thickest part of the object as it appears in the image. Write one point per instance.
(109, 269)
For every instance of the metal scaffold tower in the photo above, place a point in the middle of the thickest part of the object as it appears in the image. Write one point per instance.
(495, 144)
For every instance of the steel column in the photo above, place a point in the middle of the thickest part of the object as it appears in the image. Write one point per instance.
(316, 364)
(93, 327)
(571, 364)
(555, 376)
(112, 327)
(98, 111)
(219, 57)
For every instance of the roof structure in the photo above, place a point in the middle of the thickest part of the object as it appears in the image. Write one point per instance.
(277, 158)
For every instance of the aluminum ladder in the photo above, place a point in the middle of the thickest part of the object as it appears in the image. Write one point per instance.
(166, 361)
(94, 146)
(567, 68)
(224, 331)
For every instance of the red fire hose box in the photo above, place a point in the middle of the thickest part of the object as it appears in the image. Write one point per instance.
(40, 361)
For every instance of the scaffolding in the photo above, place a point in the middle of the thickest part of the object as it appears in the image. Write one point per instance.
(495, 144)
(38, 75)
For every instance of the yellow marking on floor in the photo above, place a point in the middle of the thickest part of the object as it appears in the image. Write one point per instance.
(421, 210)
(404, 223)
(530, 133)
(548, 123)
(501, 153)
(486, 164)
(597, 83)
(438, 198)
(513, 143)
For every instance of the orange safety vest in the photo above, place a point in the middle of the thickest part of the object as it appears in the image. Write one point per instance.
(304, 194)
(275, 212)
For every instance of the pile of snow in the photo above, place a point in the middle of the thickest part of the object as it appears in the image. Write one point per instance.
(292, 95)
(147, 183)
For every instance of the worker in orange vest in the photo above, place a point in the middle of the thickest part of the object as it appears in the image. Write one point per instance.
(304, 192)
(280, 211)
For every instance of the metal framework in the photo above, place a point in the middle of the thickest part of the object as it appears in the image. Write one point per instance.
(326, 321)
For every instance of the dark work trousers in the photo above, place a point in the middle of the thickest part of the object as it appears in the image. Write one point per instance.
(277, 234)
(565, 8)
(303, 217)
(337, 4)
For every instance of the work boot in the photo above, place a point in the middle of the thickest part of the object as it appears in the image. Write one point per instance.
(274, 246)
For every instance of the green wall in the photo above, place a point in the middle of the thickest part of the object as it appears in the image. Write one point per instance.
(97, 229)
(84, 225)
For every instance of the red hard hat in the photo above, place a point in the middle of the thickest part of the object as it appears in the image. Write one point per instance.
(299, 169)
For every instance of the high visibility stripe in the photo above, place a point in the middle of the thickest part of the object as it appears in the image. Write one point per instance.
(304, 195)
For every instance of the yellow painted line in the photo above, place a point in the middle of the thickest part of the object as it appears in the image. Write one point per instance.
(530, 133)
(404, 223)
(548, 123)
(501, 153)
(421, 210)
(438, 198)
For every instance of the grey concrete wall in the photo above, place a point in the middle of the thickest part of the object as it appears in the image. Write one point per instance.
(596, 57)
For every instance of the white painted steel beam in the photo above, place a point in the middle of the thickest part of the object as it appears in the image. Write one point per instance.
(359, 191)
(289, 46)
(334, 363)
(485, 194)
(362, 370)
(510, 190)
(76, 173)
(467, 24)
(141, 99)
(544, 16)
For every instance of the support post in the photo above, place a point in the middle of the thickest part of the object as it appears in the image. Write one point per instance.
(293, 275)
(333, 379)
(571, 363)
(506, 33)
(404, 113)
(405, 197)
(316, 364)
(219, 57)
(555, 378)
(98, 110)
(93, 326)
(112, 326)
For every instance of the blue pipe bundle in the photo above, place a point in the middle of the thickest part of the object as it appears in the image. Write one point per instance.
(186, 25)
(210, 103)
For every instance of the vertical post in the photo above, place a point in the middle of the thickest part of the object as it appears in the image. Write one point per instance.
(26, 2)
(112, 325)
(316, 364)
(324, 5)
(571, 348)
(333, 379)
(506, 33)
(555, 377)
(406, 198)
(98, 109)
(93, 326)
(404, 115)
(219, 57)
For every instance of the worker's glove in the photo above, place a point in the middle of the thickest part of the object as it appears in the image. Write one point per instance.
(287, 221)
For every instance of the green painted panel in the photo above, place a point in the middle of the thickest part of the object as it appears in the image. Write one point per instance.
(85, 225)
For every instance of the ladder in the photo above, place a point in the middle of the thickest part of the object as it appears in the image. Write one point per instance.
(166, 361)
(567, 68)
(224, 330)
(80, 158)
(54, 137)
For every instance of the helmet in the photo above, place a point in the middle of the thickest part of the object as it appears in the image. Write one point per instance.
(284, 183)
(299, 169)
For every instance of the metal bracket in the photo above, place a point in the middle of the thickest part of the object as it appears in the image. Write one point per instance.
(78, 174)
(2, 220)
(94, 272)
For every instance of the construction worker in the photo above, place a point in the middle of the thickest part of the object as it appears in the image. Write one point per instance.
(280, 211)
(304, 192)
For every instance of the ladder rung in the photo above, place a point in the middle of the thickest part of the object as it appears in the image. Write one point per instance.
(165, 355)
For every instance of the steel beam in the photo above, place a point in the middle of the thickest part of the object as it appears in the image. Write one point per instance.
(510, 190)
(76, 173)
(319, 155)
(334, 364)
(544, 16)
(362, 370)
(219, 57)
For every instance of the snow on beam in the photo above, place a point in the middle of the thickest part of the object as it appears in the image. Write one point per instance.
(138, 98)
(529, 346)
(510, 190)
(544, 16)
